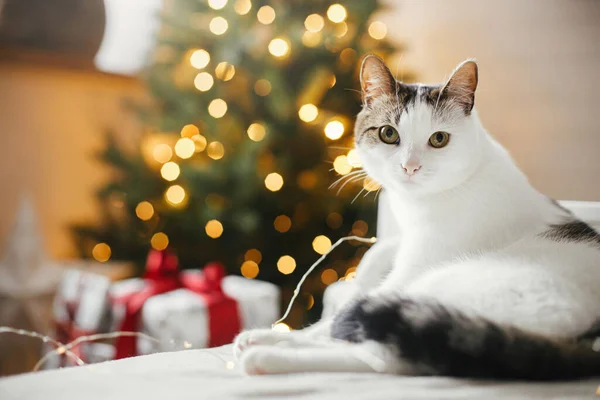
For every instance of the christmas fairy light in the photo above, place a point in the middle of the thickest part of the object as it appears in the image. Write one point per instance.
(253, 255)
(199, 143)
(218, 25)
(185, 148)
(321, 244)
(370, 185)
(279, 47)
(265, 15)
(101, 252)
(144, 210)
(334, 130)
(286, 264)
(215, 150)
(354, 158)
(249, 269)
(308, 112)
(169, 171)
(314, 23)
(189, 130)
(159, 241)
(281, 327)
(203, 81)
(199, 58)
(282, 223)
(377, 30)
(341, 165)
(329, 276)
(274, 182)
(242, 7)
(175, 195)
(217, 108)
(162, 153)
(214, 229)
(311, 39)
(262, 87)
(217, 4)
(337, 13)
(225, 71)
(256, 131)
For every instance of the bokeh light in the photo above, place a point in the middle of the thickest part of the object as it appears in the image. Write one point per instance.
(101, 252)
(262, 87)
(378, 30)
(281, 327)
(321, 244)
(354, 158)
(217, 4)
(175, 195)
(279, 47)
(341, 165)
(308, 112)
(225, 71)
(334, 220)
(311, 39)
(314, 23)
(162, 153)
(282, 223)
(329, 276)
(159, 241)
(215, 150)
(199, 58)
(337, 13)
(249, 269)
(203, 81)
(144, 210)
(334, 129)
(217, 108)
(189, 130)
(266, 15)
(370, 185)
(256, 131)
(185, 147)
(253, 255)
(199, 142)
(214, 228)
(286, 265)
(360, 228)
(242, 7)
(274, 182)
(218, 25)
(170, 171)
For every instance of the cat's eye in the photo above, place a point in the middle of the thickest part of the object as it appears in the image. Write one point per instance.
(389, 135)
(439, 139)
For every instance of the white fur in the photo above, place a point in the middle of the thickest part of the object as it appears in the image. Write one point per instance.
(470, 226)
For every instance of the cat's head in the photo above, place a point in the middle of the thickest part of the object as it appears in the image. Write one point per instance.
(418, 138)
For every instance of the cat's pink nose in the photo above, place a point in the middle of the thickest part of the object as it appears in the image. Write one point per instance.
(410, 168)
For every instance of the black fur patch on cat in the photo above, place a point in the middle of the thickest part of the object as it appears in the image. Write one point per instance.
(573, 231)
(436, 339)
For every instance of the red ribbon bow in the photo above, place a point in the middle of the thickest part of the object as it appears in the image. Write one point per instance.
(162, 276)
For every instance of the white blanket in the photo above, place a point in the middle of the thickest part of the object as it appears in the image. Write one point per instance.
(203, 374)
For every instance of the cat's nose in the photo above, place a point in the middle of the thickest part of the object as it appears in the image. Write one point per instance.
(410, 168)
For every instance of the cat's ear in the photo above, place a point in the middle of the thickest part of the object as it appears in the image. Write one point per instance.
(375, 79)
(462, 84)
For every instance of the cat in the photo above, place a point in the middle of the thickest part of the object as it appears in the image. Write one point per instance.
(488, 278)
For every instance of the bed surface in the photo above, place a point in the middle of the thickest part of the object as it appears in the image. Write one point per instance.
(202, 374)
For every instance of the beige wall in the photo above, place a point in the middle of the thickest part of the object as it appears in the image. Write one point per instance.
(539, 77)
(52, 122)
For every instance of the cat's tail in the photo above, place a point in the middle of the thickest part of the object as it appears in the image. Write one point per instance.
(438, 340)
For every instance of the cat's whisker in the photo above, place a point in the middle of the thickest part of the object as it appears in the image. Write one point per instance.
(356, 197)
(354, 179)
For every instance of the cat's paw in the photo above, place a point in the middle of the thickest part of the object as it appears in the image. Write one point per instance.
(262, 360)
(255, 337)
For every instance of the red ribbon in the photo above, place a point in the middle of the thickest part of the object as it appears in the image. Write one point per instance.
(162, 276)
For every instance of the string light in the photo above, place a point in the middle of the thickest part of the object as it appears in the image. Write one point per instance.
(199, 143)
(217, 108)
(225, 71)
(242, 7)
(341, 165)
(185, 147)
(281, 327)
(329, 276)
(217, 4)
(215, 150)
(256, 131)
(334, 220)
(218, 25)
(378, 30)
(279, 47)
(214, 229)
(321, 244)
(274, 182)
(253, 255)
(262, 87)
(286, 265)
(314, 23)
(337, 13)
(162, 153)
(203, 81)
(101, 252)
(282, 223)
(308, 112)
(189, 130)
(144, 210)
(360, 228)
(370, 185)
(159, 241)
(311, 39)
(170, 171)
(199, 58)
(175, 195)
(265, 15)
(334, 130)
(354, 158)
(249, 269)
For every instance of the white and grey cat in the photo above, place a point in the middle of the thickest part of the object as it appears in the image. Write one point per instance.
(488, 278)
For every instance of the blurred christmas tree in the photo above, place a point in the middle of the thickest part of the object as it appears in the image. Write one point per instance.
(252, 99)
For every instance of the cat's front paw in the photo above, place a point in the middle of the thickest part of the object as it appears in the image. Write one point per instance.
(261, 360)
(255, 337)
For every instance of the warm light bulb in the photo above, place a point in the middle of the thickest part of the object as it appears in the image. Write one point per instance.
(218, 25)
(279, 47)
(354, 158)
(262, 87)
(256, 132)
(199, 58)
(189, 130)
(144, 210)
(199, 143)
(225, 71)
(214, 228)
(217, 4)
(282, 223)
(242, 7)
(203, 81)
(159, 241)
(249, 269)
(337, 13)
(286, 265)
(101, 252)
(265, 15)
(175, 195)
(170, 171)
(215, 150)
(341, 165)
(378, 30)
(314, 23)
(274, 182)
(217, 108)
(185, 147)
(162, 153)
(308, 112)
(334, 130)
(321, 244)
(281, 327)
